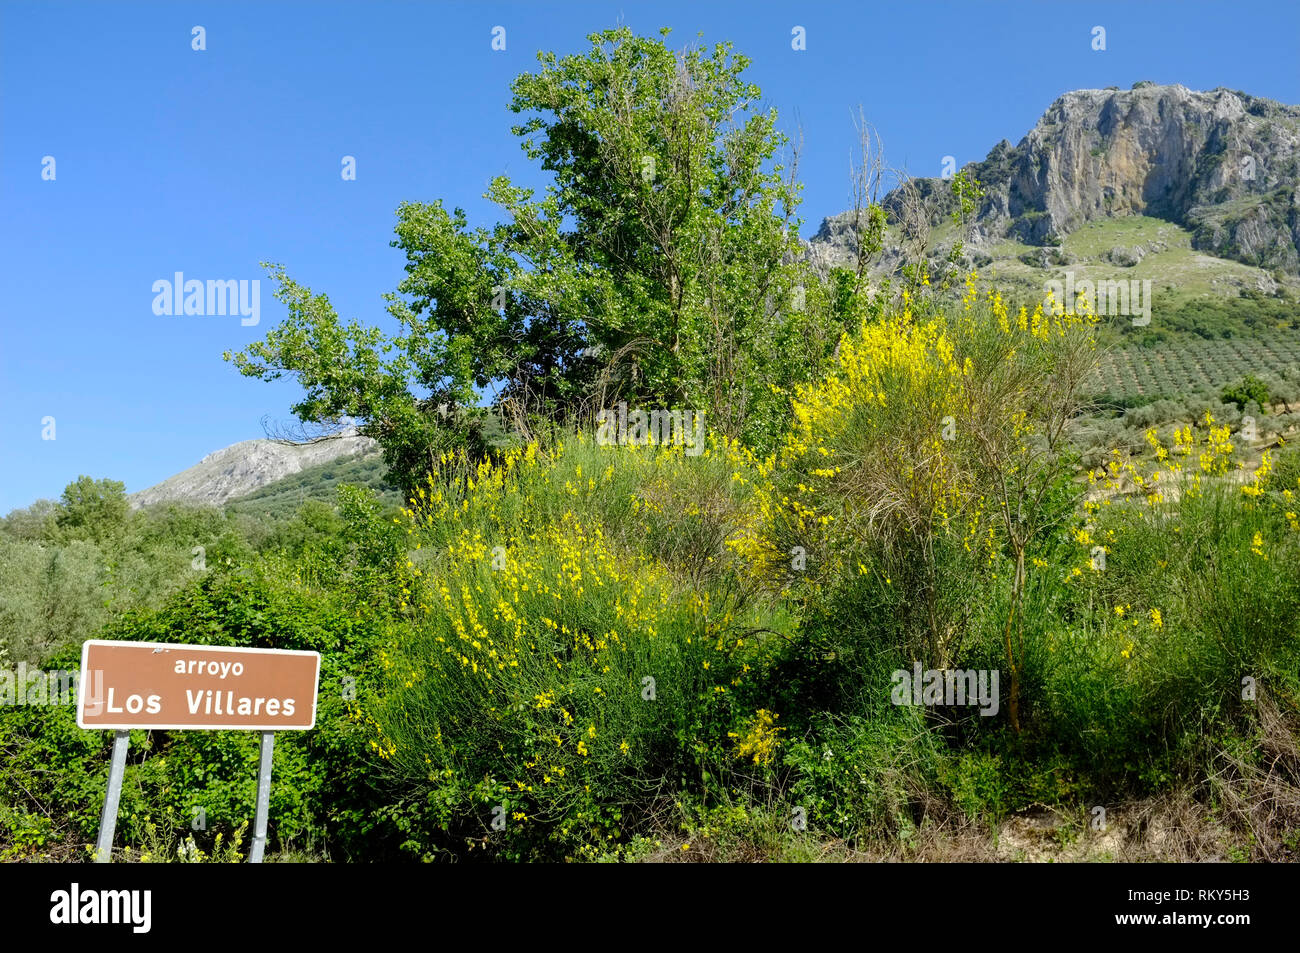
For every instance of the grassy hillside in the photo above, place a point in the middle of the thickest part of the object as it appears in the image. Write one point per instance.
(1213, 323)
(1193, 293)
(320, 483)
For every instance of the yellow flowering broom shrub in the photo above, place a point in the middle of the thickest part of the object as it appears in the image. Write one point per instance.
(930, 456)
(1185, 585)
(570, 655)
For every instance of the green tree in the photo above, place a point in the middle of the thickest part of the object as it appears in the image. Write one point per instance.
(32, 522)
(667, 228)
(401, 389)
(968, 193)
(93, 509)
(1250, 388)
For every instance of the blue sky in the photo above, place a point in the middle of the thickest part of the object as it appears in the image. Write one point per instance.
(170, 159)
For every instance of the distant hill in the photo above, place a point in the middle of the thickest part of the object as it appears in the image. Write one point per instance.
(319, 482)
(252, 465)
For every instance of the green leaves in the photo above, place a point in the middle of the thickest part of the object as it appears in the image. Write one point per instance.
(1249, 389)
(340, 367)
(92, 509)
(665, 229)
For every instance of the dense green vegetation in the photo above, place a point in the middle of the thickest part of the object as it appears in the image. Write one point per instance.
(552, 645)
(1130, 685)
(319, 483)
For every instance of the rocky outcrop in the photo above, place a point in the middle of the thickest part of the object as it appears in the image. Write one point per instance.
(244, 467)
(1223, 164)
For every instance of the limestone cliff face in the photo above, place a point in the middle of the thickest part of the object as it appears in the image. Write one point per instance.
(1223, 164)
(244, 467)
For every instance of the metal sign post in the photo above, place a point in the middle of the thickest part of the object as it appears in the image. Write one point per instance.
(263, 798)
(108, 820)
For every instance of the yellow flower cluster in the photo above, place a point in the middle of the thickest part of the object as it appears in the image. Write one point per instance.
(885, 426)
(1215, 455)
(1255, 488)
(538, 642)
(760, 739)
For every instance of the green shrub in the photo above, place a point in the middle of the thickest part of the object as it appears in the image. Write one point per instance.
(866, 776)
(1249, 390)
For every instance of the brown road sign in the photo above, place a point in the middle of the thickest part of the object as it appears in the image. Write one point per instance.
(157, 685)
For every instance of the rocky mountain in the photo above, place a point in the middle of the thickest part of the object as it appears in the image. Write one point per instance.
(1223, 165)
(243, 468)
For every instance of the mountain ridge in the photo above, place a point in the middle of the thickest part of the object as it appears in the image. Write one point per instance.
(245, 467)
(1221, 163)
